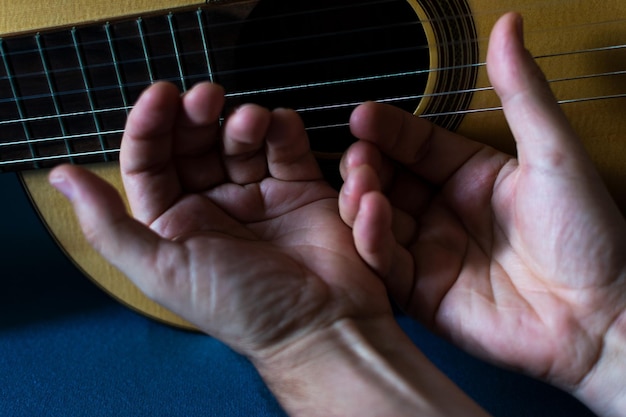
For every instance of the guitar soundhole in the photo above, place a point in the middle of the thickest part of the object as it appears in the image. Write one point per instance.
(322, 57)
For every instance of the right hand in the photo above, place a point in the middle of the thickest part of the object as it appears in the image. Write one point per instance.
(520, 261)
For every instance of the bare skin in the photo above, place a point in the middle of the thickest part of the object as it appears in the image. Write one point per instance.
(235, 230)
(519, 260)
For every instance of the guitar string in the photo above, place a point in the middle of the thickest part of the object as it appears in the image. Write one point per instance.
(475, 110)
(127, 108)
(310, 85)
(92, 67)
(310, 128)
(361, 5)
(250, 69)
(291, 87)
(321, 10)
(104, 41)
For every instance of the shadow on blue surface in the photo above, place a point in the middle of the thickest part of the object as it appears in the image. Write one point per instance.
(67, 349)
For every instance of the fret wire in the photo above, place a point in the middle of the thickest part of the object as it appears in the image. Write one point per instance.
(205, 47)
(170, 20)
(145, 49)
(88, 92)
(118, 73)
(18, 104)
(57, 107)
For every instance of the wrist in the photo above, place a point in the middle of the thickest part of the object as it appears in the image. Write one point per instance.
(360, 367)
(604, 387)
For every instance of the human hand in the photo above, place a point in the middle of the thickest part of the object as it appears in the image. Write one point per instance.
(244, 236)
(237, 232)
(520, 261)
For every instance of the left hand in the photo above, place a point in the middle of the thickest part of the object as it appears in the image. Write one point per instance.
(237, 232)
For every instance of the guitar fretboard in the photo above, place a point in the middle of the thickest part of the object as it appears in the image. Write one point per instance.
(65, 94)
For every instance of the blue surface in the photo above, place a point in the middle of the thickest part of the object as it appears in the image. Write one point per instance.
(67, 349)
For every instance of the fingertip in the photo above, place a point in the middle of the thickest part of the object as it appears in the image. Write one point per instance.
(372, 231)
(542, 133)
(360, 181)
(510, 65)
(157, 91)
(360, 153)
(203, 103)
(289, 154)
(362, 119)
(248, 120)
(58, 178)
(286, 123)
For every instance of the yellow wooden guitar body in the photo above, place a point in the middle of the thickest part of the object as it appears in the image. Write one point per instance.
(552, 27)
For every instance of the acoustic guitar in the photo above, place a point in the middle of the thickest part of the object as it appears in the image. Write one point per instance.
(71, 70)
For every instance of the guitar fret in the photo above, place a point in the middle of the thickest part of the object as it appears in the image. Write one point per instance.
(57, 107)
(205, 48)
(18, 104)
(144, 46)
(107, 28)
(88, 92)
(170, 20)
(65, 94)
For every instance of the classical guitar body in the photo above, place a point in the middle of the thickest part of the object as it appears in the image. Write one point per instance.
(319, 57)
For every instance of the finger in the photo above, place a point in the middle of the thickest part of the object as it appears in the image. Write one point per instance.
(365, 153)
(289, 155)
(377, 246)
(543, 134)
(244, 144)
(426, 149)
(129, 245)
(146, 162)
(197, 149)
(358, 181)
(362, 181)
(407, 193)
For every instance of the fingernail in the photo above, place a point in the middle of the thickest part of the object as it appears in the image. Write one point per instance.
(61, 183)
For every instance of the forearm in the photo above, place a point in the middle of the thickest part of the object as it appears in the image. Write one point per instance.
(358, 368)
(604, 388)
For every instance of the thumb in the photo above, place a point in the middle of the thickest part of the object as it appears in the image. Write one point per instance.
(126, 243)
(545, 138)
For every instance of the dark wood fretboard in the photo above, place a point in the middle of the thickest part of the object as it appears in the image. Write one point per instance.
(65, 93)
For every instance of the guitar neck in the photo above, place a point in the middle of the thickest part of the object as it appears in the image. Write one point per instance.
(65, 94)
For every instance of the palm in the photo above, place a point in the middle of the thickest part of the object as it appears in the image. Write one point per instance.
(485, 247)
(498, 286)
(280, 263)
(236, 230)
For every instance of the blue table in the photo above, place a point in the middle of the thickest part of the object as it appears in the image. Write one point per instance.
(67, 349)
